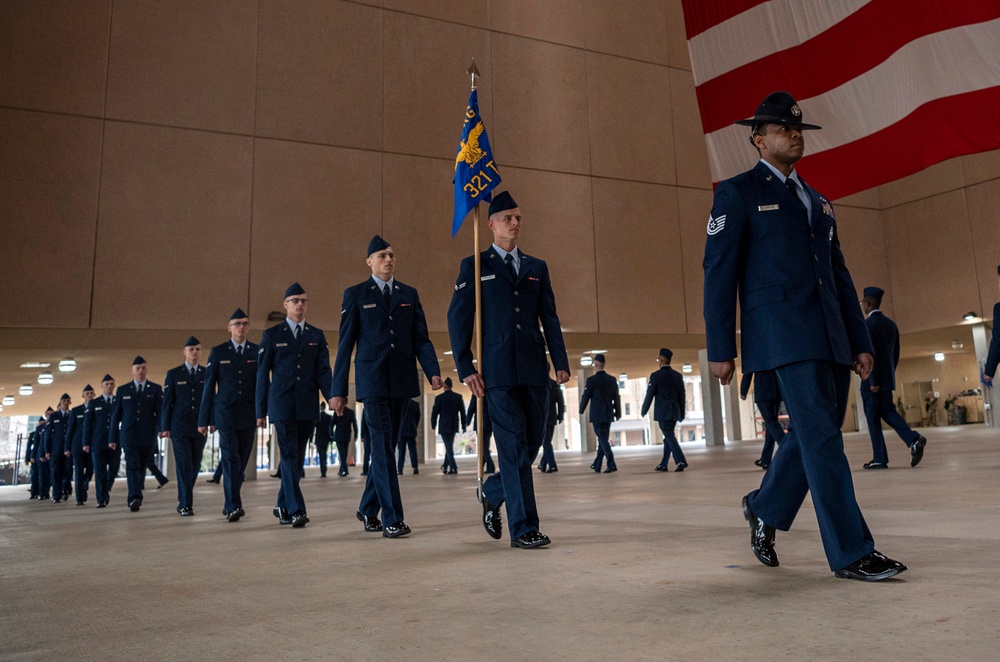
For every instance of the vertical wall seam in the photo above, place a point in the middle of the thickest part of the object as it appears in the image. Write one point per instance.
(253, 159)
(100, 170)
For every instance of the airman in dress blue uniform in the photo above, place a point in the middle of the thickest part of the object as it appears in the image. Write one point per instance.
(227, 405)
(557, 409)
(772, 244)
(666, 394)
(408, 430)
(182, 395)
(767, 397)
(470, 417)
(876, 391)
(107, 456)
(292, 370)
(324, 435)
(447, 415)
(383, 318)
(993, 357)
(517, 297)
(58, 450)
(135, 424)
(41, 477)
(345, 430)
(601, 393)
(82, 463)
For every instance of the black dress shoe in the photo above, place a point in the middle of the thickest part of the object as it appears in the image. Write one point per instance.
(299, 520)
(212, 480)
(364, 473)
(135, 505)
(165, 481)
(372, 524)
(917, 450)
(80, 503)
(275, 475)
(875, 465)
(56, 500)
(285, 518)
(530, 540)
(101, 504)
(552, 470)
(235, 515)
(681, 466)
(761, 537)
(342, 473)
(873, 567)
(661, 467)
(280, 513)
(415, 471)
(492, 521)
(187, 512)
(611, 470)
(395, 530)
(760, 463)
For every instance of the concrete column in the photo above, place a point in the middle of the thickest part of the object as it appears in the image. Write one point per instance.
(655, 433)
(859, 408)
(991, 395)
(711, 398)
(250, 471)
(429, 436)
(731, 404)
(588, 438)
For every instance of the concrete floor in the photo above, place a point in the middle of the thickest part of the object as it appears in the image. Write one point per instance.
(643, 566)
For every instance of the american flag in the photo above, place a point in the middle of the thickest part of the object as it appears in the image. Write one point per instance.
(897, 85)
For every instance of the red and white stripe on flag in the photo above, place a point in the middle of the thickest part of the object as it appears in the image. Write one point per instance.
(897, 85)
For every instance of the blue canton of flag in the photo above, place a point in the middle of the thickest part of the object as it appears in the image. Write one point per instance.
(475, 172)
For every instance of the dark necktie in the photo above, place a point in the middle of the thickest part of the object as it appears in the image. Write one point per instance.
(295, 331)
(138, 389)
(794, 189)
(239, 351)
(387, 294)
(509, 260)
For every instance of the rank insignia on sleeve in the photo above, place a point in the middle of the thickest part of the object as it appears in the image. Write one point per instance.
(716, 225)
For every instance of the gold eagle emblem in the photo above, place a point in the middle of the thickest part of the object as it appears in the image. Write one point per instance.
(469, 151)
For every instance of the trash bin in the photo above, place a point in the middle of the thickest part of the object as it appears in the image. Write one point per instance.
(960, 415)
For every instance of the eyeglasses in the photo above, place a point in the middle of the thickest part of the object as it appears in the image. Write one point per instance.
(239, 324)
(296, 301)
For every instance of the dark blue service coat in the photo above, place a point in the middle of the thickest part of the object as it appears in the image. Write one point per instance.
(388, 339)
(135, 419)
(182, 395)
(291, 373)
(230, 388)
(667, 395)
(885, 342)
(448, 413)
(601, 392)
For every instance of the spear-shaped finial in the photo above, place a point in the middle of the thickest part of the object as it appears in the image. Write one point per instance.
(473, 71)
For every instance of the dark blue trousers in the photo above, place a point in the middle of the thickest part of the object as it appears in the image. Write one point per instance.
(33, 473)
(321, 451)
(382, 484)
(236, 447)
(449, 452)
(773, 432)
(84, 470)
(367, 453)
(548, 454)
(106, 464)
(670, 443)
(879, 407)
(342, 450)
(811, 460)
(188, 452)
(488, 466)
(57, 468)
(519, 415)
(137, 460)
(404, 444)
(603, 432)
(293, 437)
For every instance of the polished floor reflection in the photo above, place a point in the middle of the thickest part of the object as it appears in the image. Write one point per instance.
(643, 565)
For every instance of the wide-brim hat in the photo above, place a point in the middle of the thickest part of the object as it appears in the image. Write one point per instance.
(778, 108)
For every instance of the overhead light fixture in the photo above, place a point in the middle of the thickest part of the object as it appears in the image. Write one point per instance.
(939, 356)
(34, 365)
(623, 377)
(45, 378)
(68, 364)
(969, 316)
(25, 389)
(586, 361)
(687, 368)
(8, 401)
(957, 344)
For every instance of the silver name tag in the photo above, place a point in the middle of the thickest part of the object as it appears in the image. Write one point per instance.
(767, 208)
(490, 277)
(224, 362)
(281, 344)
(369, 305)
